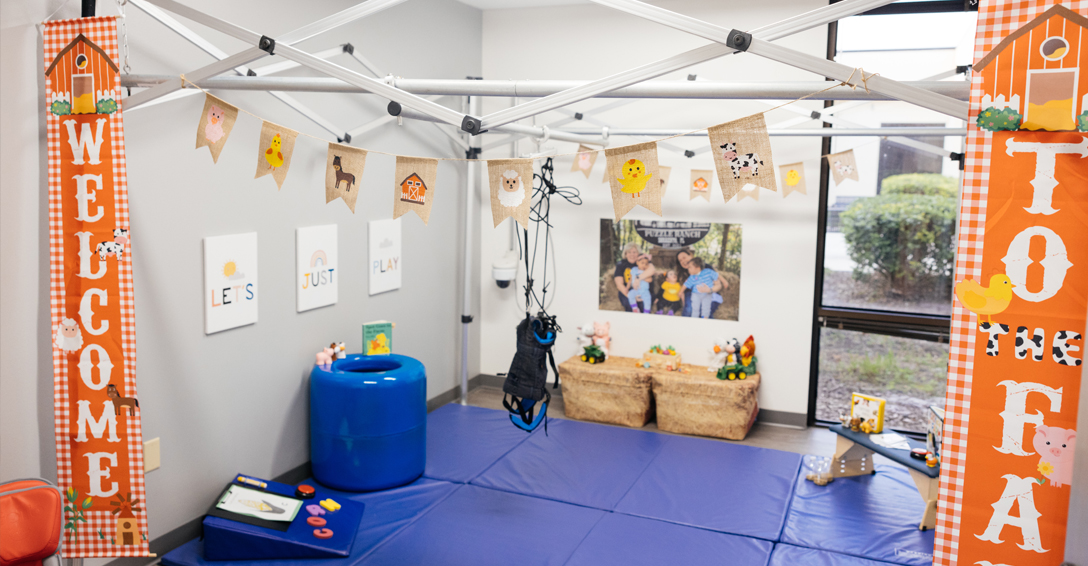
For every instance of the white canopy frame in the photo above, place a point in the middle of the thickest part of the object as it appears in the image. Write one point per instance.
(416, 98)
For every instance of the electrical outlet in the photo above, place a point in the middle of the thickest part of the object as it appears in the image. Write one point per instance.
(151, 455)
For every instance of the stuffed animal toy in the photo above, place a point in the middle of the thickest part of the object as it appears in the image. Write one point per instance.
(601, 339)
(718, 354)
(585, 335)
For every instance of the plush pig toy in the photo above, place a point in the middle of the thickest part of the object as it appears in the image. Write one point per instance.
(1055, 447)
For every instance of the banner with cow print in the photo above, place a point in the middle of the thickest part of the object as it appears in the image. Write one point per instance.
(343, 173)
(511, 182)
(843, 166)
(95, 406)
(742, 155)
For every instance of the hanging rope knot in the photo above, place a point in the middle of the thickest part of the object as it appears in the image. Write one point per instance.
(864, 79)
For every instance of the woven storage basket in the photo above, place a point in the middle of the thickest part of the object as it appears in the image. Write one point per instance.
(614, 391)
(701, 404)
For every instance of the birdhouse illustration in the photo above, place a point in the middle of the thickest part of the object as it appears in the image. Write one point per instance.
(412, 189)
(1031, 79)
(81, 79)
(128, 530)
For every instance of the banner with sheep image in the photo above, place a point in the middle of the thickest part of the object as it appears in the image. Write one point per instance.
(511, 182)
(97, 413)
(670, 268)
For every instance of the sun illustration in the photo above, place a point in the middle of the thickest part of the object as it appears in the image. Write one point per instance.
(229, 268)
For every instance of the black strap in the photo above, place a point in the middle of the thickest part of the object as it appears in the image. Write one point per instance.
(551, 360)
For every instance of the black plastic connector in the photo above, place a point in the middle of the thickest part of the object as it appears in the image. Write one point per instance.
(578, 116)
(691, 77)
(251, 73)
(394, 108)
(739, 40)
(473, 153)
(815, 115)
(349, 49)
(345, 139)
(471, 125)
(267, 44)
(466, 318)
(689, 153)
(962, 158)
(961, 69)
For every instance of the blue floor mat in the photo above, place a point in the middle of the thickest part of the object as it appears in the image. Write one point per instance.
(789, 555)
(477, 526)
(724, 487)
(581, 463)
(463, 441)
(872, 516)
(634, 541)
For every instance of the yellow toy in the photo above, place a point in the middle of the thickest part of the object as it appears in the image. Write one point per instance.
(273, 155)
(634, 177)
(330, 505)
(986, 301)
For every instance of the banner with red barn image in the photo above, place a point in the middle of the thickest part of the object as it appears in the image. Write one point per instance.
(1021, 291)
(96, 411)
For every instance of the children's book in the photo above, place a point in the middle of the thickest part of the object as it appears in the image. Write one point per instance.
(378, 337)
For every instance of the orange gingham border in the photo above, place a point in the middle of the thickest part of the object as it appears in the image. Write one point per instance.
(996, 20)
(87, 543)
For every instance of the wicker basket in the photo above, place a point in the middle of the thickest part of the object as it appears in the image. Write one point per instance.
(614, 391)
(701, 404)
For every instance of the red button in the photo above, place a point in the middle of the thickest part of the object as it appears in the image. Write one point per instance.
(315, 521)
(323, 533)
(304, 491)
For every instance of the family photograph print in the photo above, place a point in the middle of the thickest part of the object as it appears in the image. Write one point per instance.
(668, 268)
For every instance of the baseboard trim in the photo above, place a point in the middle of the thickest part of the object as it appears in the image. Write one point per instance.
(164, 543)
(451, 395)
(783, 418)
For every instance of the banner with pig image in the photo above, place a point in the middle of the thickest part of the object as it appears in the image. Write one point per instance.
(97, 414)
(216, 122)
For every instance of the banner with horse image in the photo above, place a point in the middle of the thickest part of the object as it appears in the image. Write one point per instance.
(1018, 322)
(96, 409)
(669, 268)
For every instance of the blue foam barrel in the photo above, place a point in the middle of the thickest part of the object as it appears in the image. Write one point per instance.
(368, 422)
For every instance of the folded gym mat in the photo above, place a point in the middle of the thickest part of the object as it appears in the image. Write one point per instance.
(386, 513)
(581, 463)
(477, 526)
(742, 490)
(789, 555)
(464, 441)
(633, 541)
(874, 516)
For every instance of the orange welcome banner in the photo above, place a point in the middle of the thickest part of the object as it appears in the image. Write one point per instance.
(96, 411)
(1021, 291)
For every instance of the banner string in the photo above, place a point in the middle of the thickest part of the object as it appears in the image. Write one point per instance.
(864, 78)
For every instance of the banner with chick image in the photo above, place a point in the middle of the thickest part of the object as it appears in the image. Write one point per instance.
(511, 182)
(634, 177)
(274, 153)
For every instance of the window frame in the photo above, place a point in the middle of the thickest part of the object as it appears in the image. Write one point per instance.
(929, 327)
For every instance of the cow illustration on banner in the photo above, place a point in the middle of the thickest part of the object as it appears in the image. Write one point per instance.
(1017, 326)
(96, 408)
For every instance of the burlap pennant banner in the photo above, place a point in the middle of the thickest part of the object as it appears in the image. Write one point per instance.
(793, 177)
(748, 191)
(274, 152)
(511, 182)
(343, 172)
(700, 184)
(216, 122)
(584, 161)
(634, 178)
(843, 166)
(414, 190)
(742, 154)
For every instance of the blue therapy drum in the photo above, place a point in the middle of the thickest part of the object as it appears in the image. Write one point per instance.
(368, 422)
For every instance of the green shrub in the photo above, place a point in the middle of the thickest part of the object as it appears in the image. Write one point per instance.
(60, 108)
(106, 106)
(996, 120)
(906, 239)
(929, 184)
(1082, 121)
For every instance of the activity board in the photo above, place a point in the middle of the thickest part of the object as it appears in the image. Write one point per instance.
(261, 519)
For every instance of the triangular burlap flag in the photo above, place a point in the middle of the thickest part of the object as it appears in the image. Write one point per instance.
(665, 172)
(748, 191)
(415, 186)
(742, 154)
(343, 172)
(843, 166)
(700, 184)
(274, 152)
(511, 182)
(634, 178)
(216, 121)
(793, 179)
(584, 161)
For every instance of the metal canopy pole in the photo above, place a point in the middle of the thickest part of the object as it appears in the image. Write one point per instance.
(472, 181)
(814, 132)
(757, 44)
(534, 131)
(815, 18)
(263, 45)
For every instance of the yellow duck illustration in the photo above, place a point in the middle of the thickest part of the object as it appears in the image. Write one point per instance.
(634, 177)
(793, 177)
(273, 155)
(986, 301)
(378, 345)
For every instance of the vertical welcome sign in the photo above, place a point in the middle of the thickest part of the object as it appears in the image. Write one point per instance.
(1021, 291)
(96, 411)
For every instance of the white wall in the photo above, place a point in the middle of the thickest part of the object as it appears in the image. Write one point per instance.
(588, 42)
(234, 401)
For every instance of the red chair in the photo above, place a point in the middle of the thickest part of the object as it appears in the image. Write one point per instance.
(31, 521)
